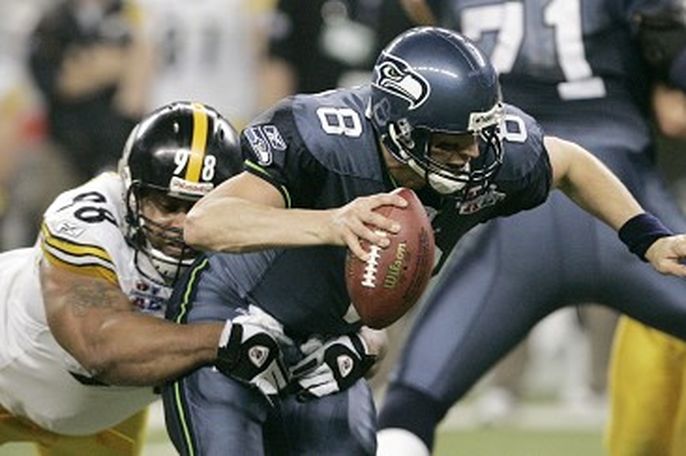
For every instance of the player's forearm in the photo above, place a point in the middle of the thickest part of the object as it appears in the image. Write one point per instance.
(598, 191)
(237, 225)
(137, 349)
(590, 184)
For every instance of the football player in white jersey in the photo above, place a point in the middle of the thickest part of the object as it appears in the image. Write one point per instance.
(81, 333)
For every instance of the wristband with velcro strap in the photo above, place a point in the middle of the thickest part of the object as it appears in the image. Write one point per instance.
(641, 231)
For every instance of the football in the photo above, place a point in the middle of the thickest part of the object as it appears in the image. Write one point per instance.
(383, 288)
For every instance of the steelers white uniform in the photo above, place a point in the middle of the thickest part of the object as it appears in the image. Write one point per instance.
(39, 380)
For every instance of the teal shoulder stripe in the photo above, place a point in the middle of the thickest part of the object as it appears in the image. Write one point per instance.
(188, 292)
(257, 169)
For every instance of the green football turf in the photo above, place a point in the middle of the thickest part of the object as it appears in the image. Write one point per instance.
(482, 442)
(517, 442)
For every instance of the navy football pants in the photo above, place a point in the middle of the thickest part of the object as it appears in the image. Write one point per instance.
(209, 414)
(510, 275)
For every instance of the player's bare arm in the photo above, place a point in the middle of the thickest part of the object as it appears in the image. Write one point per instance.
(96, 323)
(589, 183)
(247, 213)
(592, 186)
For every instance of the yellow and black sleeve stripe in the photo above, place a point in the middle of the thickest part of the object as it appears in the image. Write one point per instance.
(85, 259)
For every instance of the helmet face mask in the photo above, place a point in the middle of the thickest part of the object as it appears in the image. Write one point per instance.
(161, 219)
(158, 242)
(165, 249)
(172, 158)
(432, 81)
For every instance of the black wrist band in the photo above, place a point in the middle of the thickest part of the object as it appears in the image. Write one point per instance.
(639, 233)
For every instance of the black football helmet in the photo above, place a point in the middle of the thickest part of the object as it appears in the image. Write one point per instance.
(182, 150)
(432, 80)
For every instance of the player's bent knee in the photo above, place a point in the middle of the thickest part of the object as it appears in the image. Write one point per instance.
(426, 413)
(400, 442)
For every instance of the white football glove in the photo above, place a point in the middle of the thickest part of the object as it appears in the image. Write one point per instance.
(249, 351)
(331, 365)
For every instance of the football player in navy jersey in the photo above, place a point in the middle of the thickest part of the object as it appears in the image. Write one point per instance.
(316, 168)
(577, 67)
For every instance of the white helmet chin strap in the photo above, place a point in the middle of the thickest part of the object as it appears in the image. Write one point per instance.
(442, 185)
(168, 267)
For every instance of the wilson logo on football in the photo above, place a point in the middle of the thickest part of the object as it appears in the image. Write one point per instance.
(395, 269)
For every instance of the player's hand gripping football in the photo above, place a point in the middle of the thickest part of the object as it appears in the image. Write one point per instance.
(331, 365)
(357, 220)
(249, 351)
(668, 254)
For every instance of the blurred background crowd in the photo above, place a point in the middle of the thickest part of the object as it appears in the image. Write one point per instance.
(76, 75)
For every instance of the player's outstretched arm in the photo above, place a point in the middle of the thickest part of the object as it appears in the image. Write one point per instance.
(95, 322)
(588, 182)
(246, 213)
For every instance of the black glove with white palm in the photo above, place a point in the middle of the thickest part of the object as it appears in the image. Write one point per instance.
(331, 365)
(249, 351)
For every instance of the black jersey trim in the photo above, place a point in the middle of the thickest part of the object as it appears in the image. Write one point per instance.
(259, 171)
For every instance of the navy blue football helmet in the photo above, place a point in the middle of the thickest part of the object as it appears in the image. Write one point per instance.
(432, 80)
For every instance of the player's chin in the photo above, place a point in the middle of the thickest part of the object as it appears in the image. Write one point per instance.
(416, 183)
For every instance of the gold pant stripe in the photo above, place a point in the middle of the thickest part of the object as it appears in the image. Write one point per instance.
(124, 439)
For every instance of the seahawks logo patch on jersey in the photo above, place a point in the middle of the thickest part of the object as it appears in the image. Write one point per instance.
(264, 139)
(396, 77)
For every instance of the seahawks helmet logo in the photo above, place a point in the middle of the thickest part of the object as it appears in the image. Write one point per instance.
(396, 77)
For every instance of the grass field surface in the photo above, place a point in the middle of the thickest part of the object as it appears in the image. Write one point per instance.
(517, 442)
(485, 442)
(536, 430)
